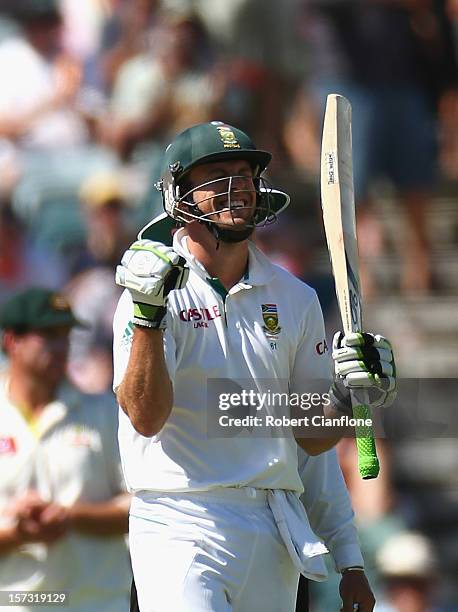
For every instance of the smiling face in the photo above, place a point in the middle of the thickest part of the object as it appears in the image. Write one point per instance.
(224, 192)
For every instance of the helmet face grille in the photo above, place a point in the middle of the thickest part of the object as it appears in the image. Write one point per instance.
(230, 197)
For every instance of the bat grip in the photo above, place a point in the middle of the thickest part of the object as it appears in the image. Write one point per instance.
(368, 462)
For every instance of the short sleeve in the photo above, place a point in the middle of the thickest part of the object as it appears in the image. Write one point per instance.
(312, 360)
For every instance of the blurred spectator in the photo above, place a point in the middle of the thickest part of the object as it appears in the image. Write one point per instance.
(22, 262)
(394, 89)
(92, 290)
(219, 18)
(63, 511)
(82, 37)
(7, 26)
(83, 22)
(104, 204)
(165, 89)
(448, 107)
(408, 567)
(37, 109)
(124, 36)
(289, 243)
(10, 170)
(94, 296)
(265, 56)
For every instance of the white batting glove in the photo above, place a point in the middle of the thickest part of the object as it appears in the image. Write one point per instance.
(150, 270)
(363, 361)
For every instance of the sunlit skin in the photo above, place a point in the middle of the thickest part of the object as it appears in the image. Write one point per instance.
(43, 353)
(243, 192)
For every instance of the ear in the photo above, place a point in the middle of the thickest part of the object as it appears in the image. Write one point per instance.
(9, 341)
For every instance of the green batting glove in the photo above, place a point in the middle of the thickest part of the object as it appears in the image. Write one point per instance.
(363, 361)
(150, 270)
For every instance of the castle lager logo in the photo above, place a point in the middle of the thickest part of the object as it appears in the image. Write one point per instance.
(59, 302)
(7, 445)
(228, 137)
(200, 317)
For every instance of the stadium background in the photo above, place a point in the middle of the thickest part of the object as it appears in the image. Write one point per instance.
(84, 118)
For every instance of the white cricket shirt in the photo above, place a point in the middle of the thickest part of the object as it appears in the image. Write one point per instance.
(69, 454)
(212, 336)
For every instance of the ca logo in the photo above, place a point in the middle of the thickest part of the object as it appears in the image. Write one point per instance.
(321, 347)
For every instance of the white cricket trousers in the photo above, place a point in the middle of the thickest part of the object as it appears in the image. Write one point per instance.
(218, 551)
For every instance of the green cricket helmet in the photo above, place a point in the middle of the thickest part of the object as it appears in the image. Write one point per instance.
(207, 143)
(211, 142)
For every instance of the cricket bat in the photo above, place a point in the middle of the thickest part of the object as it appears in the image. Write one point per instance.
(338, 205)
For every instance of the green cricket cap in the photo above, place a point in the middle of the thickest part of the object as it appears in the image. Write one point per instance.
(29, 11)
(211, 142)
(36, 308)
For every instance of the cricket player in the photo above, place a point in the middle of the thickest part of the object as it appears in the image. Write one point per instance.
(63, 506)
(216, 523)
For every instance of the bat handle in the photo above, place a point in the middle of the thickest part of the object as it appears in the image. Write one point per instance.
(368, 462)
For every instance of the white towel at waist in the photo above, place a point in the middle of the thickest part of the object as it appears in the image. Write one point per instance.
(304, 547)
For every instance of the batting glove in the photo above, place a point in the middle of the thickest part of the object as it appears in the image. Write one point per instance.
(150, 270)
(363, 361)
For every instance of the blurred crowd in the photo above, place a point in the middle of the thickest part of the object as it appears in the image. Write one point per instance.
(92, 91)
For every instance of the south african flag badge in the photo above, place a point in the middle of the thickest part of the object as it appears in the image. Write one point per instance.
(270, 318)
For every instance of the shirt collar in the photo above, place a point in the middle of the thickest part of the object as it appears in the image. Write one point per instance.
(180, 246)
(52, 414)
(260, 268)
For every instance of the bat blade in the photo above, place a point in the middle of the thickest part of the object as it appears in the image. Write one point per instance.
(338, 205)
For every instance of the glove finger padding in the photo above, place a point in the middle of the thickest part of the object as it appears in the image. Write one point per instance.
(361, 339)
(150, 270)
(141, 288)
(365, 361)
(367, 367)
(148, 258)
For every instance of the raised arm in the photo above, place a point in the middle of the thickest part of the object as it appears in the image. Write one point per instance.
(145, 393)
(313, 369)
(359, 361)
(149, 270)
